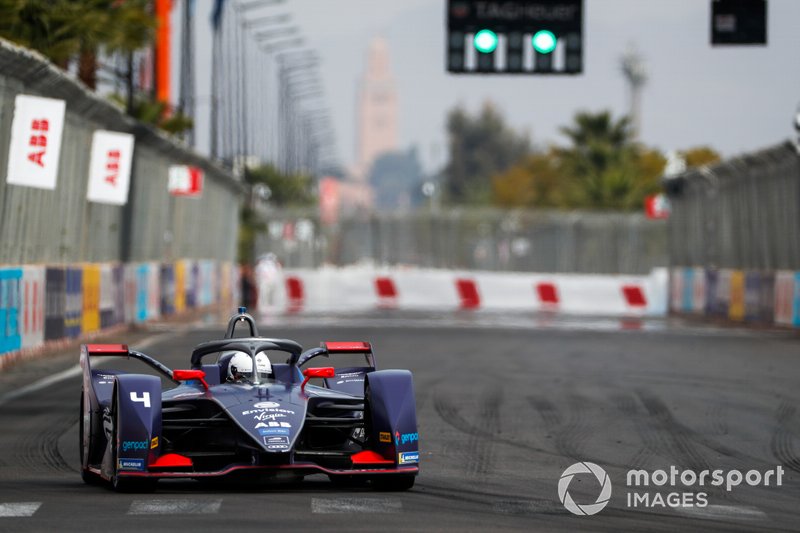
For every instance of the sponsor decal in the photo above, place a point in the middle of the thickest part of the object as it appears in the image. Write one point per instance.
(134, 445)
(405, 438)
(349, 381)
(130, 464)
(268, 416)
(154, 443)
(385, 436)
(273, 424)
(277, 447)
(267, 410)
(352, 375)
(266, 405)
(408, 458)
(273, 431)
(276, 440)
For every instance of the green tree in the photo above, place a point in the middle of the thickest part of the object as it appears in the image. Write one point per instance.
(536, 181)
(603, 167)
(699, 156)
(285, 190)
(66, 29)
(480, 147)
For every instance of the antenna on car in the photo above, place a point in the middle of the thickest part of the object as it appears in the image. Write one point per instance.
(241, 316)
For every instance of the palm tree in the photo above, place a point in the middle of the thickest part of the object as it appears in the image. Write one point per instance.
(65, 29)
(601, 162)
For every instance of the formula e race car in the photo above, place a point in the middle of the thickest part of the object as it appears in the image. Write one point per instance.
(244, 415)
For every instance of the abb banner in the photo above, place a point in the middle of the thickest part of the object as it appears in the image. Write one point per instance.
(110, 167)
(35, 141)
(185, 181)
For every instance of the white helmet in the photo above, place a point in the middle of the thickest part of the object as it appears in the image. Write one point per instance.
(242, 364)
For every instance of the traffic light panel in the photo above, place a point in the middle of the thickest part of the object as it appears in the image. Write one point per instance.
(515, 36)
(738, 22)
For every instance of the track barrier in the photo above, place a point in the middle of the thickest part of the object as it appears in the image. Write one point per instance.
(42, 305)
(363, 288)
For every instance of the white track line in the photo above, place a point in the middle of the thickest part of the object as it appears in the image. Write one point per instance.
(20, 509)
(355, 505)
(71, 372)
(722, 512)
(147, 507)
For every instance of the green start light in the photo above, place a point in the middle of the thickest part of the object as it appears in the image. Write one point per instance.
(544, 41)
(485, 41)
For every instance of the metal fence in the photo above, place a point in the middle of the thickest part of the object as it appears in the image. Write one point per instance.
(742, 214)
(526, 241)
(61, 226)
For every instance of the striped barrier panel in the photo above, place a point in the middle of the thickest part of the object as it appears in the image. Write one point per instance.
(55, 287)
(10, 298)
(74, 302)
(180, 286)
(107, 294)
(736, 302)
(153, 291)
(90, 314)
(167, 289)
(32, 306)
(787, 298)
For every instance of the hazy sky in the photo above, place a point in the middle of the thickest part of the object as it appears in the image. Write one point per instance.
(734, 99)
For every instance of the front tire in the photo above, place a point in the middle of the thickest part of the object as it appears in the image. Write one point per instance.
(84, 448)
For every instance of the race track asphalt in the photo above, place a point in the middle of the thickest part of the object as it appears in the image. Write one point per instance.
(504, 407)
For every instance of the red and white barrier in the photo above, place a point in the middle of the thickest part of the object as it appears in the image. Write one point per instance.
(365, 288)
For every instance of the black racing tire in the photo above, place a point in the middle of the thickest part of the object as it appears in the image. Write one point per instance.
(87, 477)
(393, 482)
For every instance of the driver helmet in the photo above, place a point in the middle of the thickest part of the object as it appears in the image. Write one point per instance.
(241, 366)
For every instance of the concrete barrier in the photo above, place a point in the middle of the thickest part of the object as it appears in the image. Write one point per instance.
(365, 288)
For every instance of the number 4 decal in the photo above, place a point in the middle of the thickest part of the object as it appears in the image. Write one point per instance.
(144, 398)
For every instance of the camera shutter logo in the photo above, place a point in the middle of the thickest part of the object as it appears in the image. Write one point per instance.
(602, 499)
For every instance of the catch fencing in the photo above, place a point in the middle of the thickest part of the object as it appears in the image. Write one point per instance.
(734, 240)
(62, 226)
(471, 239)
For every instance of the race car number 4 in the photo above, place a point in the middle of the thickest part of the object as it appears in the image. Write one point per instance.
(144, 398)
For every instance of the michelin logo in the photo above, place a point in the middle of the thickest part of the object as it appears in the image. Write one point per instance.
(408, 458)
(130, 464)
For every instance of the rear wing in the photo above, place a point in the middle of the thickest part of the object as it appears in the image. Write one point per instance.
(327, 349)
(118, 350)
